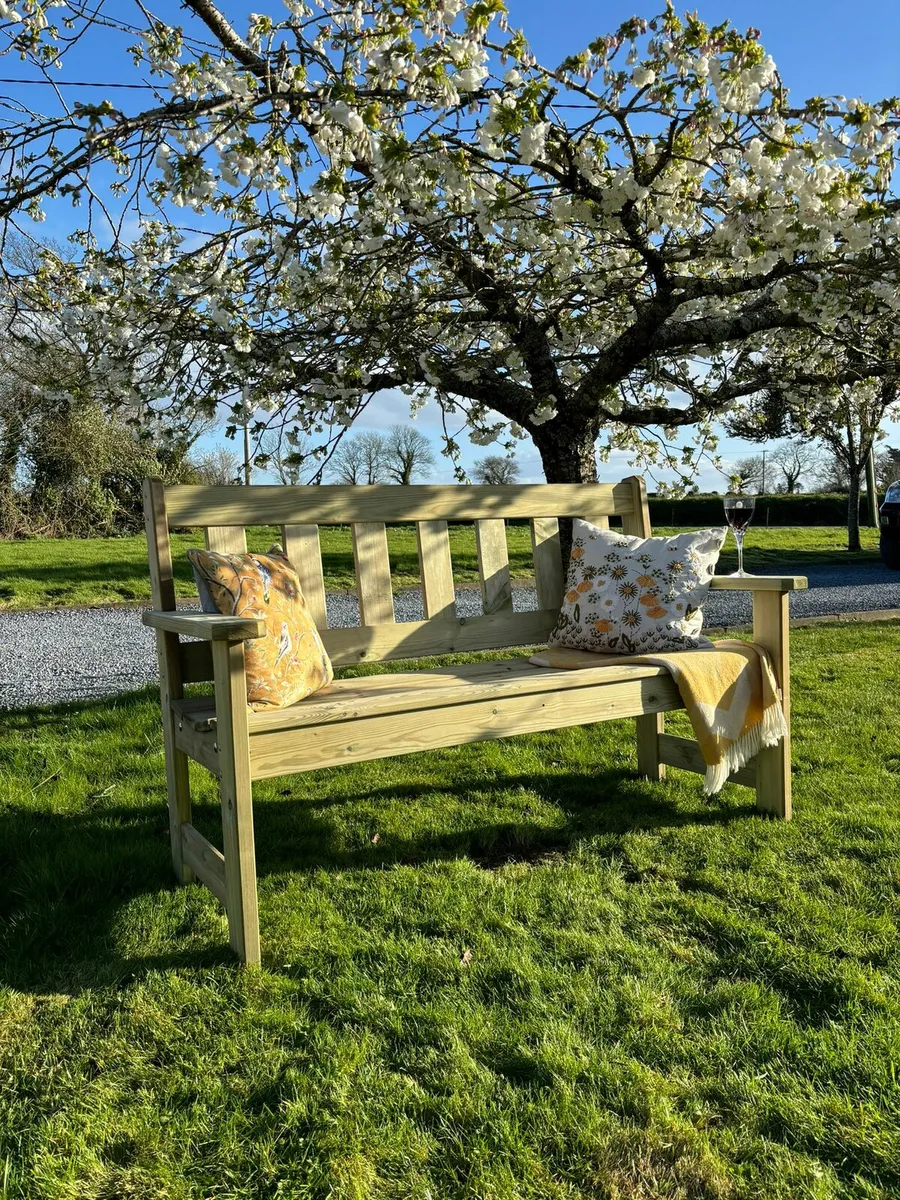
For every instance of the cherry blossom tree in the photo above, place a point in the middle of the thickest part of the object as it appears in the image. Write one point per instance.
(343, 197)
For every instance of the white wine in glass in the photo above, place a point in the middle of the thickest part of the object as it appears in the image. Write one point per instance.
(739, 514)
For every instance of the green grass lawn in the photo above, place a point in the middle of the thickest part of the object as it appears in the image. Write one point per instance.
(59, 571)
(506, 972)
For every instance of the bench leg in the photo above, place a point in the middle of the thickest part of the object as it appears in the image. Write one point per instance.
(236, 795)
(178, 784)
(773, 766)
(648, 729)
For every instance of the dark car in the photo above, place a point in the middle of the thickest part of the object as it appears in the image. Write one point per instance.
(890, 527)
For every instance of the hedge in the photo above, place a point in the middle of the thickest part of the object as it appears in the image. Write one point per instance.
(699, 511)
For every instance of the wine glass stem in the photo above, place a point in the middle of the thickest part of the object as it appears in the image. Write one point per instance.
(739, 538)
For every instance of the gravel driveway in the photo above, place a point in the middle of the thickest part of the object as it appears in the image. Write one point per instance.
(80, 654)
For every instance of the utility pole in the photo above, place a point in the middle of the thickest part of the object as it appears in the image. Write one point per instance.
(871, 488)
(247, 465)
(764, 470)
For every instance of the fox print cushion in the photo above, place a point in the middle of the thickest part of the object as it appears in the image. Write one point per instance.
(631, 595)
(289, 663)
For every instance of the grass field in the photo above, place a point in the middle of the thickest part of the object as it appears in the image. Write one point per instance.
(505, 972)
(54, 572)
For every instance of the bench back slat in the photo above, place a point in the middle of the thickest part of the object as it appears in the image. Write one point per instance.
(436, 566)
(226, 539)
(301, 545)
(224, 513)
(549, 575)
(373, 573)
(493, 565)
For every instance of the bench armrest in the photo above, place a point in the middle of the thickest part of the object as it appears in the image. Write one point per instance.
(758, 583)
(210, 627)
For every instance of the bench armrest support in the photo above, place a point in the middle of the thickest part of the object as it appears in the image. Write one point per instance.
(209, 627)
(758, 583)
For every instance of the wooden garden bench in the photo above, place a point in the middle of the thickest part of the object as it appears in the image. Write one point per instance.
(376, 716)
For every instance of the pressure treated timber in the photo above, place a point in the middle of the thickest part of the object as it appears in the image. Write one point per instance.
(227, 539)
(302, 547)
(436, 566)
(285, 751)
(403, 712)
(773, 765)
(373, 573)
(416, 691)
(493, 566)
(236, 800)
(758, 583)
(209, 627)
(171, 676)
(344, 504)
(207, 862)
(549, 576)
(685, 753)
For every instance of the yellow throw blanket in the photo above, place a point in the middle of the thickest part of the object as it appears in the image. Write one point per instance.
(729, 692)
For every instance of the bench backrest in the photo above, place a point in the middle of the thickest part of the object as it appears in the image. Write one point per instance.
(223, 512)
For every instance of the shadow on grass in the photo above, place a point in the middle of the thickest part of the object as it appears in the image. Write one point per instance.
(67, 878)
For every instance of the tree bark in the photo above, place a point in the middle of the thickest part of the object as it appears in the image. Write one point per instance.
(568, 455)
(568, 450)
(853, 542)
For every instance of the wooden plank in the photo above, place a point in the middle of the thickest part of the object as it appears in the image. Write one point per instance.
(236, 797)
(636, 523)
(385, 735)
(344, 504)
(207, 862)
(685, 753)
(422, 639)
(417, 691)
(301, 545)
(171, 681)
(406, 639)
(373, 573)
(196, 662)
(549, 577)
(226, 539)
(773, 765)
(647, 732)
(211, 627)
(438, 592)
(758, 583)
(200, 745)
(493, 566)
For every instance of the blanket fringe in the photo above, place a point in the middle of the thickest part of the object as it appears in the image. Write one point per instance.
(768, 732)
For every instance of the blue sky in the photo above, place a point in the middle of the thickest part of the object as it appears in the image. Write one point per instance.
(822, 47)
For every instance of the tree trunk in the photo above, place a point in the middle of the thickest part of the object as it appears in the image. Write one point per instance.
(853, 542)
(568, 455)
(568, 452)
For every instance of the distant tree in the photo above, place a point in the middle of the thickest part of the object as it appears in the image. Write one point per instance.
(360, 459)
(496, 470)
(408, 453)
(793, 460)
(218, 467)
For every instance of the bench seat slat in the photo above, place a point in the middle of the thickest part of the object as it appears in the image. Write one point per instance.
(385, 734)
(414, 691)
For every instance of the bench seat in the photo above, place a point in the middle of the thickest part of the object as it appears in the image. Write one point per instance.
(375, 716)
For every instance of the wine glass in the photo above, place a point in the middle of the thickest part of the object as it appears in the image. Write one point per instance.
(739, 514)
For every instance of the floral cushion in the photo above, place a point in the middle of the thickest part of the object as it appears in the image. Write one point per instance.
(631, 595)
(289, 663)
